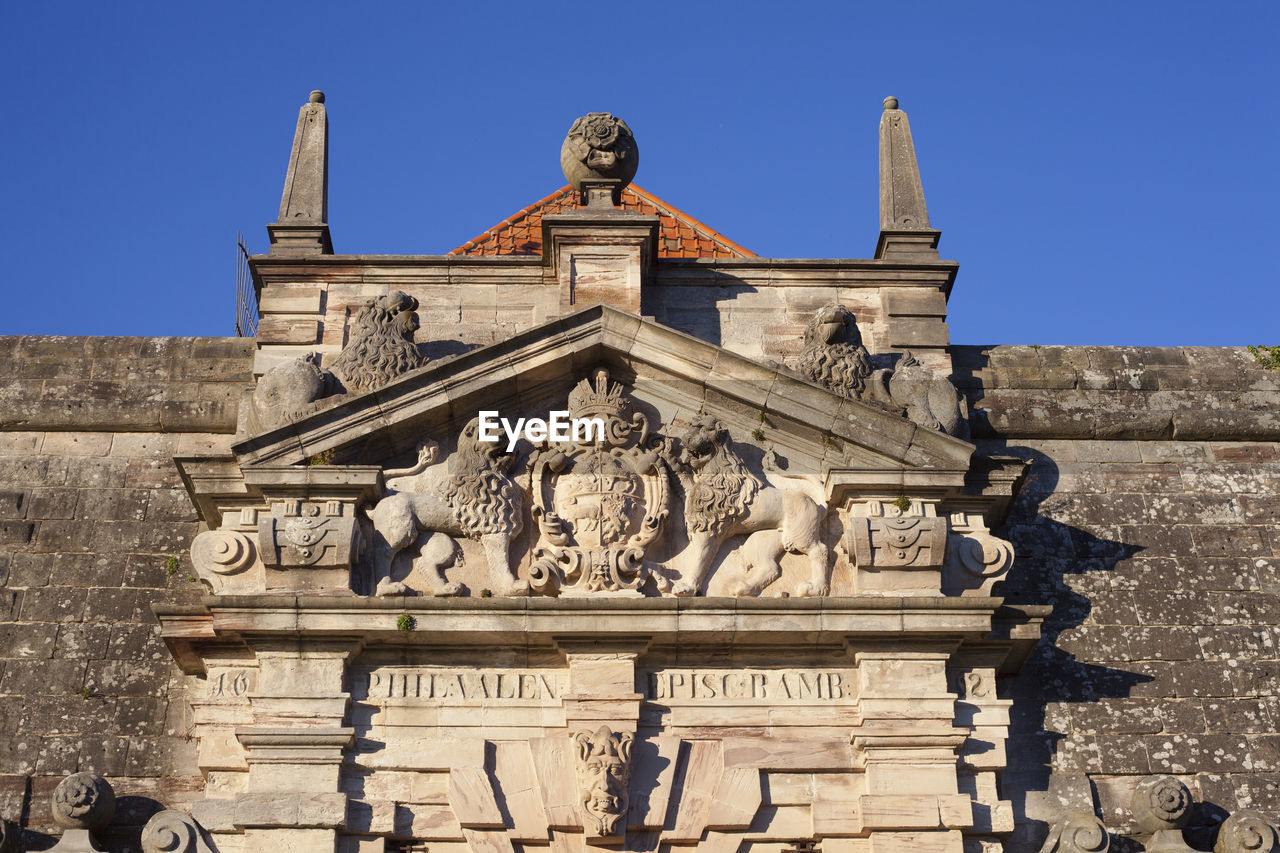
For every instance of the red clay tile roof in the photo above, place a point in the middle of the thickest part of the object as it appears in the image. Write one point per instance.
(679, 234)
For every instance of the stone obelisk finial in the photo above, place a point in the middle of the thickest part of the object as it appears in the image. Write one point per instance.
(303, 226)
(904, 220)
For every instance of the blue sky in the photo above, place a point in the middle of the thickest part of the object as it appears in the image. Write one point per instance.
(1104, 173)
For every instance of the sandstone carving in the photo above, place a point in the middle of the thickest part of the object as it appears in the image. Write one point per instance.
(1161, 805)
(83, 801)
(305, 533)
(221, 552)
(835, 358)
(723, 498)
(604, 774)
(1161, 802)
(82, 804)
(381, 344)
(286, 391)
(380, 349)
(598, 501)
(475, 497)
(173, 832)
(598, 147)
(1077, 832)
(976, 558)
(1246, 831)
(886, 536)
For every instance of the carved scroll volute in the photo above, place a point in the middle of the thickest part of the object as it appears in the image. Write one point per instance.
(1246, 831)
(604, 776)
(599, 499)
(1077, 832)
(976, 559)
(173, 832)
(223, 558)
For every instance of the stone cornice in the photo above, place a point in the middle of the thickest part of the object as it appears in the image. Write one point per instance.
(547, 622)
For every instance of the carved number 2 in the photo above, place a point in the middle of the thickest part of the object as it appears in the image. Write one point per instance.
(234, 686)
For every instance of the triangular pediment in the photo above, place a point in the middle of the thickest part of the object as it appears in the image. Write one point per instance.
(671, 376)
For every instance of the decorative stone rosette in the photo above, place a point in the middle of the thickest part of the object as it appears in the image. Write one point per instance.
(599, 147)
(1161, 802)
(598, 502)
(83, 801)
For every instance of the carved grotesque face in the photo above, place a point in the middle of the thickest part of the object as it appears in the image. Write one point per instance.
(604, 772)
(701, 440)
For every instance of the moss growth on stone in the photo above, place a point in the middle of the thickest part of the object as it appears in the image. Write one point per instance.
(1268, 357)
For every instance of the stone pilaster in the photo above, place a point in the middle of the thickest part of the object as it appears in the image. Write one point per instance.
(294, 748)
(599, 254)
(909, 741)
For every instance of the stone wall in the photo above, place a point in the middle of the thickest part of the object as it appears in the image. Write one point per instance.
(95, 527)
(755, 307)
(1148, 521)
(1151, 527)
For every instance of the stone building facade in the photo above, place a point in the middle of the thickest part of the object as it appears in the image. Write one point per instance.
(811, 577)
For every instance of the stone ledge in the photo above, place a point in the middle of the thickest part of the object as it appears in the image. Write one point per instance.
(524, 622)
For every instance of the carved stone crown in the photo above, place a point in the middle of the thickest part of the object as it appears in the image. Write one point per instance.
(598, 398)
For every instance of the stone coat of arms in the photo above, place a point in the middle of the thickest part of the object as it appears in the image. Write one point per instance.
(598, 501)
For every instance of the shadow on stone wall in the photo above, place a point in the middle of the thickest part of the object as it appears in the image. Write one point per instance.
(1045, 775)
(696, 311)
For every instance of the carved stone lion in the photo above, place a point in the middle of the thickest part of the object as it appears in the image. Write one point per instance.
(380, 349)
(723, 498)
(604, 775)
(381, 345)
(599, 146)
(475, 498)
(835, 358)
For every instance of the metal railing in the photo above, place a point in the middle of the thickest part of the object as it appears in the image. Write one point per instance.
(246, 293)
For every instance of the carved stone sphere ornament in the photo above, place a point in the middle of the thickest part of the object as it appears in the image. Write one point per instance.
(599, 147)
(1246, 832)
(83, 801)
(1161, 802)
